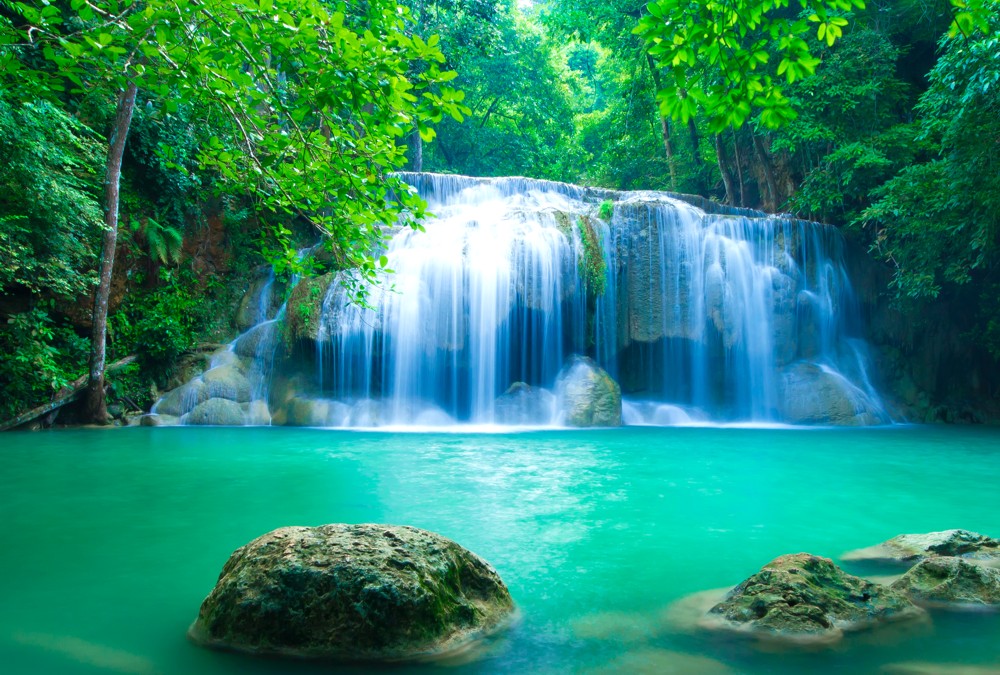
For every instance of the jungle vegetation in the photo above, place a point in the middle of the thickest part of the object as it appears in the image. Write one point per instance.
(242, 129)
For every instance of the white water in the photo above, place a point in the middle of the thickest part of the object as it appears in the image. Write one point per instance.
(699, 316)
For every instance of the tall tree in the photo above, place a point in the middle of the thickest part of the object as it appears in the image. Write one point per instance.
(313, 97)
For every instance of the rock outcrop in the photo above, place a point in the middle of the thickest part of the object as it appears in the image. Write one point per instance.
(524, 404)
(909, 549)
(951, 583)
(806, 598)
(810, 394)
(352, 592)
(587, 396)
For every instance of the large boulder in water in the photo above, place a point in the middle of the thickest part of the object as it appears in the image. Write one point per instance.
(806, 598)
(587, 396)
(352, 592)
(951, 582)
(524, 404)
(217, 411)
(909, 549)
(811, 394)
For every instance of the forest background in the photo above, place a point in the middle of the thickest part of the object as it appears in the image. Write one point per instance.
(889, 129)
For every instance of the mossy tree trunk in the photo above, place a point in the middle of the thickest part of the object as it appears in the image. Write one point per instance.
(96, 406)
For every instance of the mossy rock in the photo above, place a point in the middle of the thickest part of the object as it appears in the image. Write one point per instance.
(352, 592)
(182, 399)
(227, 382)
(909, 549)
(951, 583)
(806, 598)
(217, 411)
(587, 396)
(305, 305)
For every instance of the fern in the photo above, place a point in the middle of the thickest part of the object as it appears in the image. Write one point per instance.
(165, 242)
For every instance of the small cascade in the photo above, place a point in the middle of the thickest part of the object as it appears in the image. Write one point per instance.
(234, 387)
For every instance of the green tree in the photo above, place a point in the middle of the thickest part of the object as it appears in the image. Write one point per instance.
(314, 97)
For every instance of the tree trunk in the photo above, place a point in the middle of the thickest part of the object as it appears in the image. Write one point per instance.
(765, 163)
(417, 143)
(664, 124)
(739, 166)
(727, 178)
(96, 407)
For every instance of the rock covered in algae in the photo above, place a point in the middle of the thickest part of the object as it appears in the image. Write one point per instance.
(352, 592)
(806, 598)
(951, 582)
(587, 395)
(909, 549)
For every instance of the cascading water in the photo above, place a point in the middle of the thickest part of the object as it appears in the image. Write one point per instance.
(722, 315)
(701, 316)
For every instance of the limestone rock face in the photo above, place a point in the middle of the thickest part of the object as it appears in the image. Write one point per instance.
(587, 396)
(802, 597)
(951, 582)
(305, 306)
(182, 399)
(524, 404)
(810, 394)
(227, 382)
(353, 592)
(909, 549)
(217, 411)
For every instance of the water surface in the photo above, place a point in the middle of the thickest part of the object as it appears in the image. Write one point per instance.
(114, 537)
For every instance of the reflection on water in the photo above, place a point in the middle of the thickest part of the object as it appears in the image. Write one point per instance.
(602, 537)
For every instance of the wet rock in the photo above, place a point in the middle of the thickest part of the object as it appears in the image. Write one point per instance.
(806, 598)
(227, 382)
(352, 592)
(260, 302)
(159, 420)
(257, 413)
(909, 549)
(217, 411)
(952, 583)
(810, 394)
(182, 399)
(305, 305)
(261, 340)
(524, 404)
(314, 412)
(587, 396)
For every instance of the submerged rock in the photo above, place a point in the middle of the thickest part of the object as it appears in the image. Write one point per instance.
(951, 582)
(587, 396)
(524, 404)
(217, 411)
(353, 592)
(806, 598)
(159, 420)
(810, 394)
(909, 549)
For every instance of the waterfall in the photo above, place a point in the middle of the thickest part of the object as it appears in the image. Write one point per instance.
(520, 298)
(701, 316)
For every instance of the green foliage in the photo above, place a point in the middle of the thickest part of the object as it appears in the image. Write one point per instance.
(726, 59)
(592, 264)
(606, 210)
(49, 213)
(132, 387)
(938, 222)
(41, 355)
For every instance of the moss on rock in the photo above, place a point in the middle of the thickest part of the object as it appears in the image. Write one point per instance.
(806, 598)
(352, 592)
